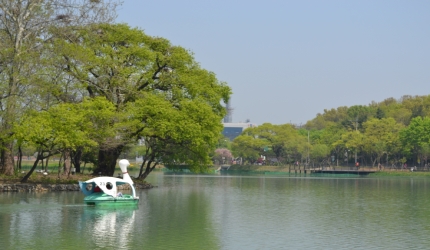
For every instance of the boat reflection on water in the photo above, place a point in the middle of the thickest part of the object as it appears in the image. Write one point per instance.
(112, 225)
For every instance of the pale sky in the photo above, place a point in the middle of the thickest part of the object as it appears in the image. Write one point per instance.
(287, 61)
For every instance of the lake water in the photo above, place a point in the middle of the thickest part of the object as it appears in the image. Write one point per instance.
(229, 212)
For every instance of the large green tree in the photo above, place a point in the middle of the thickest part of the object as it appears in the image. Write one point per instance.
(330, 137)
(24, 28)
(160, 93)
(416, 137)
(381, 136)
(247, 147)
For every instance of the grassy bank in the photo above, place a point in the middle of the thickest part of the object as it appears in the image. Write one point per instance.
(286, 169)
(49, 179)
(400, 173)
(39, 178)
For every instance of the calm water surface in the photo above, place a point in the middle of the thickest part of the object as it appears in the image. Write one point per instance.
(229, 212)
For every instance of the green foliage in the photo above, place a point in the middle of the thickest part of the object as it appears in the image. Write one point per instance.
(381, 136)
(64, 126)
(416, 136)
(160, 94)
(224, 142)
(402, 111)
(247, 146)
(380, 113)
(392, 131)
(284, 141)
(320, 152)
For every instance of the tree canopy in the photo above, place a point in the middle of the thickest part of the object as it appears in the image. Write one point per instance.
(162, 96)
(91, 84)
(281, 142)
(25, 27)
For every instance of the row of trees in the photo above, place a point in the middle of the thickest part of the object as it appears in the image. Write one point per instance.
(390, 132)
(75, 84)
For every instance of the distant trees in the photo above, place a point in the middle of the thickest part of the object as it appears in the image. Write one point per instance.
(416, 138)
(390, 132)
(401, 110)
(381, 137)
(282, 142)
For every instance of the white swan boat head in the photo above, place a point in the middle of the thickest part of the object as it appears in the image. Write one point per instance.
(104, 190)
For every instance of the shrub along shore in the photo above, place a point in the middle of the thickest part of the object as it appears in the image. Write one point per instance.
(43, 187)
(40, 183)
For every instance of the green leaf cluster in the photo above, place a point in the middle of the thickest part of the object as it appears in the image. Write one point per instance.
(65, 126)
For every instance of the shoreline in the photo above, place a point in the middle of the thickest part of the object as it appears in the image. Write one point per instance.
(41, 187)
(54, 183)
(43, 184)
(291, 169)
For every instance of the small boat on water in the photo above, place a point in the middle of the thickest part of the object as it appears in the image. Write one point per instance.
(104, 190)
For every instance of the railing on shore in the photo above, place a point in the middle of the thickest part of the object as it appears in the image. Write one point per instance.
(330, 169)
(306, 169)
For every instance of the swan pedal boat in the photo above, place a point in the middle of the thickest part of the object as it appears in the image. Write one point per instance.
(104, 190)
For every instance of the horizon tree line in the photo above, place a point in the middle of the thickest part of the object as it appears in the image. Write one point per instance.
(392, 133)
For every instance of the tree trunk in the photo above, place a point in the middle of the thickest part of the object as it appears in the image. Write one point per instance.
(19, 163)
(107, 160)
(83, 170)
(7, 160)
(141, 168)
(46, 165)
(148, 169)
(145, 157)
(60, 162)
(76, 160)
(39, 157)
(66, 162)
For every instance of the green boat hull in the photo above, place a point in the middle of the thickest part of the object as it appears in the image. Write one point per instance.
(101, 199)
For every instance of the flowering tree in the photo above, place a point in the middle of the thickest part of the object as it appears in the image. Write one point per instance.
(222, 156)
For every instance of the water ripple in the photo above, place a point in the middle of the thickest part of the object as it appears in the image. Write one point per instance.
(229, 212)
